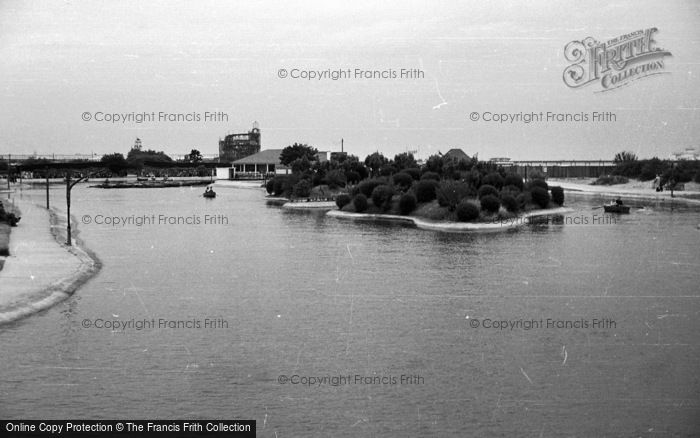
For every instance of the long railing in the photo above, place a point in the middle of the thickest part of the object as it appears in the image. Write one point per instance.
(85, 157)
(51, 157)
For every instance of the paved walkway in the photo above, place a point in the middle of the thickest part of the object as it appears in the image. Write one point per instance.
(39, 271)
(626, 192)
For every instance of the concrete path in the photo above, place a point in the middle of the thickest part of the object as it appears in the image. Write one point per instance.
(625, 192)
(40, 271)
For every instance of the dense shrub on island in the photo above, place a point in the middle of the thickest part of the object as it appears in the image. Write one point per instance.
(538, 183)
(360, 202)
(402, 181)
(352, 177)
(467, 211)
(407, 203)
(540, 196)
(490, 203)
(557, 195)
(430, 175)
(270, 186)
(283, 185)
(510, 190)
(509, 202)
(473, 178)
(381, 196)
(425, 190)
(302, 189)
(342, 200)
(486, 190)
(387, 170)
(523, 199)
(335, 179)
(513, 179)
(367, 186)
(414, 172)
(493, 179)
(450, 192)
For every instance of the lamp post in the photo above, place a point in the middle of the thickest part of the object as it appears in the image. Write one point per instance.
(69, 186)
(47, 187)
(9, 170)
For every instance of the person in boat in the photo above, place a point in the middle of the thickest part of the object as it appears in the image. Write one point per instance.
(618, 201)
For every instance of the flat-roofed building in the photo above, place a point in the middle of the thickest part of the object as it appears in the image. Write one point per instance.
(256, 166)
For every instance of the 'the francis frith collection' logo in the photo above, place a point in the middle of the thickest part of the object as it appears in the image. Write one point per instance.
(614, 63)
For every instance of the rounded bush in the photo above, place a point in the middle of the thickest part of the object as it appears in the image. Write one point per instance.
(425, 190)
(487, 189)
(430, 175)
(336, 178)
(402, 180)
(490, 203)
(283, 185)
(557, 195)
(450, 193)
(493, 179)
(367, 186)
(510, 190)
(510, 203)
(523, 199)
(467, 211)
(415, 173)
(352, 177)
(381, 196)
(270, 185)
(342, 200)
(513, 179)
(360, 202)
(277, 186)
(539, 183)
(302, 189)
(540, 196)
(387, 170)
(407, 203)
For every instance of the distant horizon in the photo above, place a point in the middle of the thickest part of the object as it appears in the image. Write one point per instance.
(392, 77)
(176, 156)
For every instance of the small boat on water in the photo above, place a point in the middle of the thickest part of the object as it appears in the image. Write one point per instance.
(209, 193)
(616, 208)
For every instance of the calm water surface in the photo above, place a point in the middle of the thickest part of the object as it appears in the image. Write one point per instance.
(305, 295)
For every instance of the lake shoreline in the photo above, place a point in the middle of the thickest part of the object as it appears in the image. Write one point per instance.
(42, 270)
(425, 224)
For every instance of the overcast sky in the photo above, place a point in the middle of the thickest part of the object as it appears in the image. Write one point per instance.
(63, 58)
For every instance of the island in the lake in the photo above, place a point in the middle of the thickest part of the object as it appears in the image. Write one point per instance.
(449, 189)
